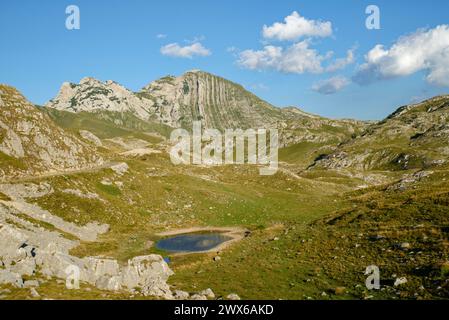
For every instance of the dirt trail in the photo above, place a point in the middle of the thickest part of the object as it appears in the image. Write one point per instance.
(105, 165)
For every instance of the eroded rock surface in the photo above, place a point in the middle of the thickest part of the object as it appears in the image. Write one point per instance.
(28, 249)
(33, 144)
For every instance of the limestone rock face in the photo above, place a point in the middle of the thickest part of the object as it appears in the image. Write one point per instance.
(91, 95)
(200, 96)
(29, 250)
(217, 102)
(18, 192)
(120, 168)
(89, 136)
(176, 102)
(31, 143)
(8, 277)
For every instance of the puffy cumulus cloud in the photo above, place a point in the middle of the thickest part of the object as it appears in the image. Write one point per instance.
(331, 86)
(424, 50)
(295, 27)
(298, 58)
(188, 51)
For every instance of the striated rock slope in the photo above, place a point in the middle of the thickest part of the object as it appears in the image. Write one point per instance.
(176, 102)
(31, 143)
(197, 95)
(217, 102)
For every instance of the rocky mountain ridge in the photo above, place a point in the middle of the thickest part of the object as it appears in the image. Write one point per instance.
(200, 96)
(31, 143)
(412, 137)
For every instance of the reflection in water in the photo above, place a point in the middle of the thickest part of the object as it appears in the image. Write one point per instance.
(193, 242)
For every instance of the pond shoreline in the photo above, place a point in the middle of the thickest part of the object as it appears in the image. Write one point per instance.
(235, 233)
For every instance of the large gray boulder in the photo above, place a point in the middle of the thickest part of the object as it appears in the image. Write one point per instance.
(8, 277)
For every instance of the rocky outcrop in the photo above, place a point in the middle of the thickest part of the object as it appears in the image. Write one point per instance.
(31, 143)
(120, 168)
(18, 193)
(92, 95)
(89, 136)
(413, 137)
(217, 102)
(27, 249)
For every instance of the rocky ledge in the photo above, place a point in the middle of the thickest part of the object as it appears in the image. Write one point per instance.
(28, 250)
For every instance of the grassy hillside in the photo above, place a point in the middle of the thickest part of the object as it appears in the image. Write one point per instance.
(410, 138)
(107, 124)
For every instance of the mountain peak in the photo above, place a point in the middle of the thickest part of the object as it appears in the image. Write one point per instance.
(195, 71)
(89, 81)
(92, 95)
(217, 102)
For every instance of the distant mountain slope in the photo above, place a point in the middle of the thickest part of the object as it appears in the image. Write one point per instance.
(108, 124)
(92, 95)
(413, 137)
(31, 143)
(178, 101)
(217, 102)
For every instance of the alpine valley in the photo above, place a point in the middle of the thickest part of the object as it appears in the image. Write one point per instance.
(87, 188)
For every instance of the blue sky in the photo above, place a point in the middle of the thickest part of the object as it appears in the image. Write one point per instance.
(119, 40)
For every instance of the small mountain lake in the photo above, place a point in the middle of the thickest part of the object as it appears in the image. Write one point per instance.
(192, 242)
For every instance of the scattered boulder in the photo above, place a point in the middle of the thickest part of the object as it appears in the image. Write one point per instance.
(180, 295)
(208, 293)
(34, 293)
(109, 283)
(140, 152)
(89, 136)
(400, 281)
(8, 277)
(149, 273)
(31, 283)
(106, 182)
(233, 296)
(405, 246)
(80, 194)
(26, 267)
(120, 168)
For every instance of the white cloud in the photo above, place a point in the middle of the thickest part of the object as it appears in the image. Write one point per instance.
(331, 86)
(298, 58)
(161, 36)
(341, 63)
(296, 27)
(189, 51)
(424, 50)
